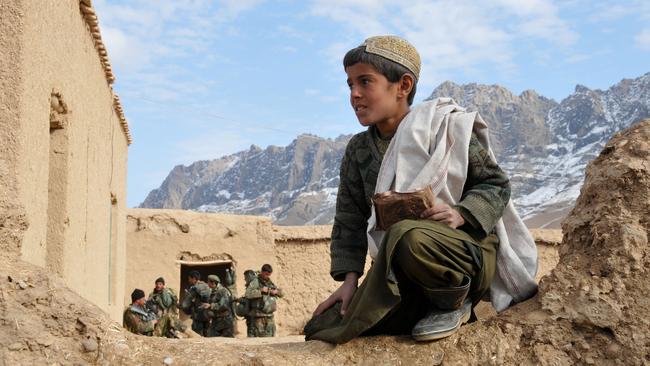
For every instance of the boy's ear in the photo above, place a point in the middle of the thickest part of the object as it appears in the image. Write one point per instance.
(406, 83)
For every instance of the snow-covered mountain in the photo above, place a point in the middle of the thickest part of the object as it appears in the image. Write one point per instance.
(548, 180)
(542, 144)
(295, 185)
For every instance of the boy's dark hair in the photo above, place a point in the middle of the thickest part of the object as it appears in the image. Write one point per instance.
(390, 69)
(267, 268)
(195, 274)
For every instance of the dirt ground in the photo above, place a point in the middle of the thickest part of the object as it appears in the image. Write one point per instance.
(591, 309)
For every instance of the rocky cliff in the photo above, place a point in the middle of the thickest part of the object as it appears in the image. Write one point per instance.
(295, 184)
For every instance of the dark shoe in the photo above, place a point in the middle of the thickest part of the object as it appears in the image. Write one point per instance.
(441, 323)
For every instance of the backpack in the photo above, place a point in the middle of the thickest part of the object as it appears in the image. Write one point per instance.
(243, 306)
(174, 297)
(249, 275)
(270, 304)
(203, 292)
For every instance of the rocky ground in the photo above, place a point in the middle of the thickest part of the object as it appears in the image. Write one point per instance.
(592, 308)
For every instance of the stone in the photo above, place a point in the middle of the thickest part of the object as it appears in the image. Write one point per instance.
(16, 346)
(90, 345)
(45, 341)
(613, 350)
(168, 360)
(121, 349)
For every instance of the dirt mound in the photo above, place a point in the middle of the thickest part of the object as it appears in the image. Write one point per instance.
(599, 290)
(592, 309)
(43, 322)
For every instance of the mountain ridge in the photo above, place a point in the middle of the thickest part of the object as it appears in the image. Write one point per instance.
(544, 146)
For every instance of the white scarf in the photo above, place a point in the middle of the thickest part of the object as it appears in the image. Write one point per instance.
(431, 146)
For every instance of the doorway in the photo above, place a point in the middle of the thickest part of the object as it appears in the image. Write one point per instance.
(206, 268)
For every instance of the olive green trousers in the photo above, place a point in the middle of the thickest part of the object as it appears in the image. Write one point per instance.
(415, 256)
(162, 327)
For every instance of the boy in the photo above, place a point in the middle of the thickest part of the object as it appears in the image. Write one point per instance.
(427, 274)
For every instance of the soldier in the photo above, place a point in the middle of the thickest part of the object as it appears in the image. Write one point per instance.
(242, 308)
(219, 309)
(262, 294)
(195, 296)
(140, 320)
(165, 298)
(166, 302)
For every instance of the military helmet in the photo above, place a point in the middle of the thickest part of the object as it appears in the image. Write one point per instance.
(249, 275)
(214, 278)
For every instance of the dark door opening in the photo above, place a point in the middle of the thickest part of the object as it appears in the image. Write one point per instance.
(205, 269)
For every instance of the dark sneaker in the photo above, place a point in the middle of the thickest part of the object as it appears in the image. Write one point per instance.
(441, 323)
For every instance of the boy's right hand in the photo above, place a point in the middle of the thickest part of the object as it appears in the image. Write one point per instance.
(343, 294)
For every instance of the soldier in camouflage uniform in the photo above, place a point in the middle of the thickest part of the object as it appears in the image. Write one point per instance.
(262, 294)
(219, 309)
(138, 319)
(249, 276)
(195, 296)
(166, 302)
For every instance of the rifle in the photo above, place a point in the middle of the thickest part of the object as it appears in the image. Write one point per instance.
(147, 315)
(152, 306)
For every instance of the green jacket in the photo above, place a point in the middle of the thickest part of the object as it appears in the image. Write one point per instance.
(166, 300)
(485, 195)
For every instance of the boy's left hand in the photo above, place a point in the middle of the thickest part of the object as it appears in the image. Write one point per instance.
(442, 212)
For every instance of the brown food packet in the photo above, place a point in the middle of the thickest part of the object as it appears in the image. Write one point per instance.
(391, 207)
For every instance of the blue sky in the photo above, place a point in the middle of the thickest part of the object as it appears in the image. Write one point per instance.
(201, 79)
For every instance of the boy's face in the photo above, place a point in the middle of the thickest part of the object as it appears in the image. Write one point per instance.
(373, 98)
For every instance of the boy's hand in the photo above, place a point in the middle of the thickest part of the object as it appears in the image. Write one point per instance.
(343, 294)
(444, 213)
